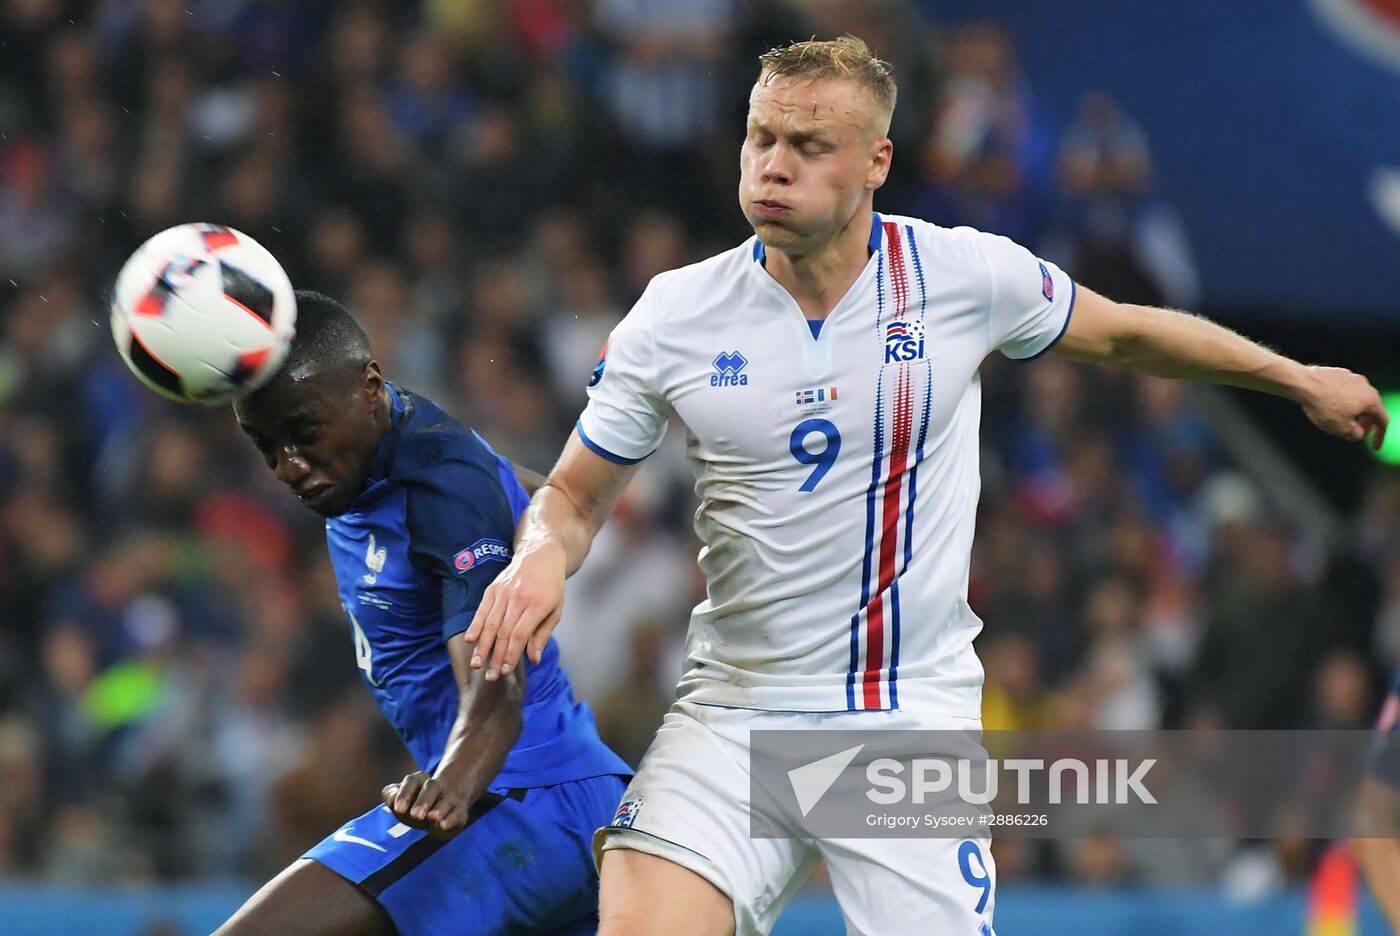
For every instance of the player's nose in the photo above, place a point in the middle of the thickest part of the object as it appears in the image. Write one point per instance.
(776, 168)
(291, 466)
(776, 175)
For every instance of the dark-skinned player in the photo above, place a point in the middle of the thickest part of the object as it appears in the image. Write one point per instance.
(491, 835)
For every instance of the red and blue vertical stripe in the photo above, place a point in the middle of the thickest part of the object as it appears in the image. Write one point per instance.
(872, 681)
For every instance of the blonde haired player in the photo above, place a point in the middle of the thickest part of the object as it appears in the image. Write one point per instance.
(826, 370)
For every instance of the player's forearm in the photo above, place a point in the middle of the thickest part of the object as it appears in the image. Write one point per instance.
(575, 502)
(488, 724)
(1379, 859)
(554, 522)
(1164, 343)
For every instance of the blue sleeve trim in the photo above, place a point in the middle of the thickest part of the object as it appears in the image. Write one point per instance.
(1073, 294)
(457, 623)
(484, 444)
(598, 450)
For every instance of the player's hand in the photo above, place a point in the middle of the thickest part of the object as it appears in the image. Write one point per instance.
(423, 802)
(521, 606)
(1344, 404)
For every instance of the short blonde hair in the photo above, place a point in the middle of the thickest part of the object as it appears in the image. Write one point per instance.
(847, 57)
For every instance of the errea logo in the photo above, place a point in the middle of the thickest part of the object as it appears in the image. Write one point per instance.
(729, 366)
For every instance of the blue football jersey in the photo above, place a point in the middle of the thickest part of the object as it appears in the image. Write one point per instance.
(413, 555)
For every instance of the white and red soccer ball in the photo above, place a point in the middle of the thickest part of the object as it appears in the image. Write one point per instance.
(203, 314)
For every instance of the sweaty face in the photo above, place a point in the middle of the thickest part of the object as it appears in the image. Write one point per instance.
(318, 432)
(812, 150)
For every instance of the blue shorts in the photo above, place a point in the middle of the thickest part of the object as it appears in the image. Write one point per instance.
(523, 864)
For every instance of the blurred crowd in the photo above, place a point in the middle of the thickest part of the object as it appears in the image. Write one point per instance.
(489, 185)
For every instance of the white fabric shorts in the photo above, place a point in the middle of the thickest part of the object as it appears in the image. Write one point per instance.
(689, 804)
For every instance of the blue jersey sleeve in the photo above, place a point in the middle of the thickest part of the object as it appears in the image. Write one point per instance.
(461, 526)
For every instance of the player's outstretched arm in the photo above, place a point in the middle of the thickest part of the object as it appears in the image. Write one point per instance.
(1164, 343)
(524, 603)
(488, 724)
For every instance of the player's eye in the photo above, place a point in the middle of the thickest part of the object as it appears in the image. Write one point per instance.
(265, 449)
(303, 433)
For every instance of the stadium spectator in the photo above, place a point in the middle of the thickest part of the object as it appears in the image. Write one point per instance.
(1119, 237)
(986, 159)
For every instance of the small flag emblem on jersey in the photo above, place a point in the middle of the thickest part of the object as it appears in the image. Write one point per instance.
(1047, 285)
(819, 395)
(729, 366)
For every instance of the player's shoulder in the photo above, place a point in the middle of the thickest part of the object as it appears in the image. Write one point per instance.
(937, 244)
(447, 472)
(432, 445)
(685, 284)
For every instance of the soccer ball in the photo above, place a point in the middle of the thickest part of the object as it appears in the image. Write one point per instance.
(203, 314)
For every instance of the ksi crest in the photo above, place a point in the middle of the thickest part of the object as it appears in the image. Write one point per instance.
(904, 342)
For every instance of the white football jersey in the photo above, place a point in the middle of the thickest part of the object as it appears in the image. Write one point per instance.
(837, 474)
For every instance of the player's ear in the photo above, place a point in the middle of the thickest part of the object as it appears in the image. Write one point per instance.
(373, 380)
(880, 163)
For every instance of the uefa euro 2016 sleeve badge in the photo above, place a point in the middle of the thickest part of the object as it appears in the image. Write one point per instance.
(626, 813)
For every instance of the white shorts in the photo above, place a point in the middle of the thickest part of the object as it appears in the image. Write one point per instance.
(689, 804)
